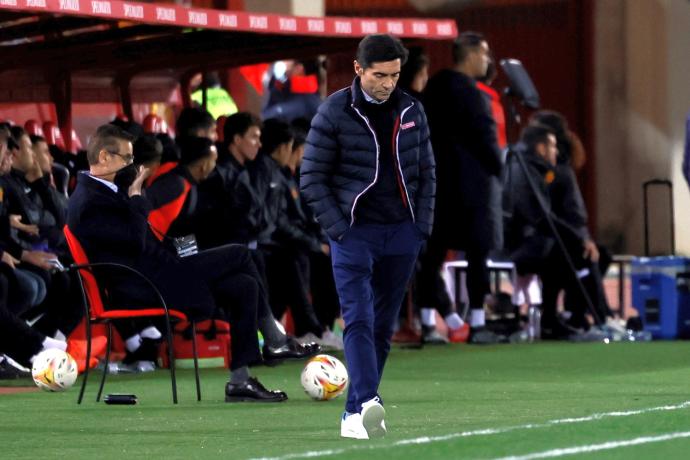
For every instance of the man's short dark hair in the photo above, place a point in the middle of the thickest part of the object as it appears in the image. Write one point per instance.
(193, 148)
(553, 120)
(192, 119)
(147, 148)
(466, 42)
(108, 138)
(36, 139)
(275, 133)
(300, 128)
(380, 48)
(171, 152)
(17, 133)
(559, 125)
(239, 123)
(535, 134)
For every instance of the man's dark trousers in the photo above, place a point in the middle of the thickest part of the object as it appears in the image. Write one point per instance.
(372, 264)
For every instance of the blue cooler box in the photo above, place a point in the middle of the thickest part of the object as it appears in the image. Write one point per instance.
(661, 293)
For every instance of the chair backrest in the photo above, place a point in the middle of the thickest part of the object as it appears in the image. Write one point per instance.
(61, 177)
(93, 294)
(33, 128)
(153, 124)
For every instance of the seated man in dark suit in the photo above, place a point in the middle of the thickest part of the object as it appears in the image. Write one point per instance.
(108, 216)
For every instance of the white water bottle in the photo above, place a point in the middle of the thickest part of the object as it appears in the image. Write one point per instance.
(533, 323)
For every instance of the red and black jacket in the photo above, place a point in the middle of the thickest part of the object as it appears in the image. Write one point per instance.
(173, 198)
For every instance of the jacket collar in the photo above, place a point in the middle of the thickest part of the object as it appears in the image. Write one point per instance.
(358, 100)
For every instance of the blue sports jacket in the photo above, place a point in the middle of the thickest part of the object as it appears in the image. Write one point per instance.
(341, 160)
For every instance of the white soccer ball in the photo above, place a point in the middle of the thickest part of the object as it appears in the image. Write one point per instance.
(324, 377)
(54, 370)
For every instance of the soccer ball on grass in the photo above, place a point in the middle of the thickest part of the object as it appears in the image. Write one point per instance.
(324, 377)
(54, 370)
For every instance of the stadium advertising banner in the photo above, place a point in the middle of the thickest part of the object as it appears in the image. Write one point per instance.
(168, 14)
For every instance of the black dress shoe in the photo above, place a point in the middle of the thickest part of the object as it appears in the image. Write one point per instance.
(9, 372)
(291, 350)
(252, 391)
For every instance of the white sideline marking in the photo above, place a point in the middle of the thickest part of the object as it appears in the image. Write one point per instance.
(597, 447)
(483, 432)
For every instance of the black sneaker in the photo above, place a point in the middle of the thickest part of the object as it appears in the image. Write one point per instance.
(9, 372)
(291, 350)
(483, 336)
(252, 391)
(557, 330)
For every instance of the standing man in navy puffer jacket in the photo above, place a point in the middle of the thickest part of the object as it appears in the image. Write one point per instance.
(369, 175)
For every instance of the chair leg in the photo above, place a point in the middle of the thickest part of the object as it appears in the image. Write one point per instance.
(171, 358)
(107, 361)
(88, 359)
(196, 362)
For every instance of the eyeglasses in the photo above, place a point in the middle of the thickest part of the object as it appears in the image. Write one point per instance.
(129, 159)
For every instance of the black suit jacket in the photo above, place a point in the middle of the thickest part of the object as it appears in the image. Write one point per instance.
(468, 158)
(113, 227)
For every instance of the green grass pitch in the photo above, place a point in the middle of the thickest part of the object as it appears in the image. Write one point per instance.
(457, 401)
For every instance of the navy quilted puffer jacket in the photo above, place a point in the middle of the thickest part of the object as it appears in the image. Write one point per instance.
(340, 160)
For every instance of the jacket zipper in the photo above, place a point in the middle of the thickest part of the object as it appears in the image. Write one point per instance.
(376, 175)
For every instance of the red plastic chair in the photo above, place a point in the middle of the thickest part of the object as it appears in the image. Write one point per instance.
(33, 128)
(95, 312)
(53, 135)
(153, 124)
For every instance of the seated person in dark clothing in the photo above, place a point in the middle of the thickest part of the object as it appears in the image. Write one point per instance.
(30, 213)
(55, 175)
(231, 207)
(33, 198)
(568, 205)
(528, 237)
(109, 217)
(25, 279)
(174, 219)
(283, 241)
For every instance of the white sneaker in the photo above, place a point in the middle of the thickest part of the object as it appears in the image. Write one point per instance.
(617, 325)
(372, 418)
(351, 427)
(330, 341)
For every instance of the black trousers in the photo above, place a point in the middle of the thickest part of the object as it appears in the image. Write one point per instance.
(62, 309)
(288, 287)
(557, 276)
(17, 339)
(324, 296)
(230, 273)
(431, 290)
